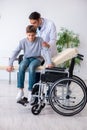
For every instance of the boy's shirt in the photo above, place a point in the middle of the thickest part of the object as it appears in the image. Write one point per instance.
(31, 49)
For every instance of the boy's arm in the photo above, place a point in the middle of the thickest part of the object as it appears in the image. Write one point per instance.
(13, 57)
(15, 53)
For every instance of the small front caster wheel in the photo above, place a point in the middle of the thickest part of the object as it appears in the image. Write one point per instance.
(36, 109)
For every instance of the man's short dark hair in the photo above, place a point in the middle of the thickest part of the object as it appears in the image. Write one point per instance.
(34, 15)
(30, 29)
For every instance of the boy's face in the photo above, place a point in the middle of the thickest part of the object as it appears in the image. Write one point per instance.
(31, 36)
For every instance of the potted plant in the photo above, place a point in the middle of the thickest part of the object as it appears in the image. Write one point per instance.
(67, 39)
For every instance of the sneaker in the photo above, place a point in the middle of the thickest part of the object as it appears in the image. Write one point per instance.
(29, 96)
(23, 101)
(32, 100)
(20, 95)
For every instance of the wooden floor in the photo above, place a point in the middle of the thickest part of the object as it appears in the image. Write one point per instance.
(14, 116)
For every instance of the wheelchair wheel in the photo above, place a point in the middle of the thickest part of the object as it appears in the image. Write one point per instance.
(36, 109)
(80, 80)
(68, 96)
(69, 91)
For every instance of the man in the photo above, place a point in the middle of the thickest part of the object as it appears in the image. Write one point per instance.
(45, 29)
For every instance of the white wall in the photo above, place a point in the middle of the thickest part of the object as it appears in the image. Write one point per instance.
(65, 13)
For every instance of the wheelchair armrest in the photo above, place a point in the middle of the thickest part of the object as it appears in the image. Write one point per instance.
(20, 58)
(56, 68)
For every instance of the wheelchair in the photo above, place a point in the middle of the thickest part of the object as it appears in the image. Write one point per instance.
(65, 92)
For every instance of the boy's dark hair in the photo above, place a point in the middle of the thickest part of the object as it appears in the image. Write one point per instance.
(34, 15)
(30, 29)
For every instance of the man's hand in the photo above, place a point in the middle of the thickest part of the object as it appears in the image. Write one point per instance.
(49, 66)
(10, 68)
(45, 44)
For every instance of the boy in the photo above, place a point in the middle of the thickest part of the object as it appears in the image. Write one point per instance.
(32, 47)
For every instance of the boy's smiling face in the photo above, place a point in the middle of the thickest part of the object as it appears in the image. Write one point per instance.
(31, 36)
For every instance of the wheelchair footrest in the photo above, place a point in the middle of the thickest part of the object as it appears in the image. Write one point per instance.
(23, 101)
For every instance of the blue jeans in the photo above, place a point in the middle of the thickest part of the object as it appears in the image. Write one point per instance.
(31, 64)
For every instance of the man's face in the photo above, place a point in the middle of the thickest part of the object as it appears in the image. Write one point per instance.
(31, 36)
(35, 23)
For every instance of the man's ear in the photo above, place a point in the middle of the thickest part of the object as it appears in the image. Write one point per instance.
(40, 21)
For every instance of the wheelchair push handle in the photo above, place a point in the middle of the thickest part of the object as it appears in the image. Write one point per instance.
(80, 56)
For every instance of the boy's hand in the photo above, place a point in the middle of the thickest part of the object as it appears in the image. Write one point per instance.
(10, 68)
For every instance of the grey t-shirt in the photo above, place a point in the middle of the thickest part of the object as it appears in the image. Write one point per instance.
(31, 49)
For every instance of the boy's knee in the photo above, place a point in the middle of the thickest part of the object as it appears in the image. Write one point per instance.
(22, 68)
(31, 68)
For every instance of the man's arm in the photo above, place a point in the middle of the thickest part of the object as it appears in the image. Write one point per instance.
(52, 34)
(52, 37)
(47, 57)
